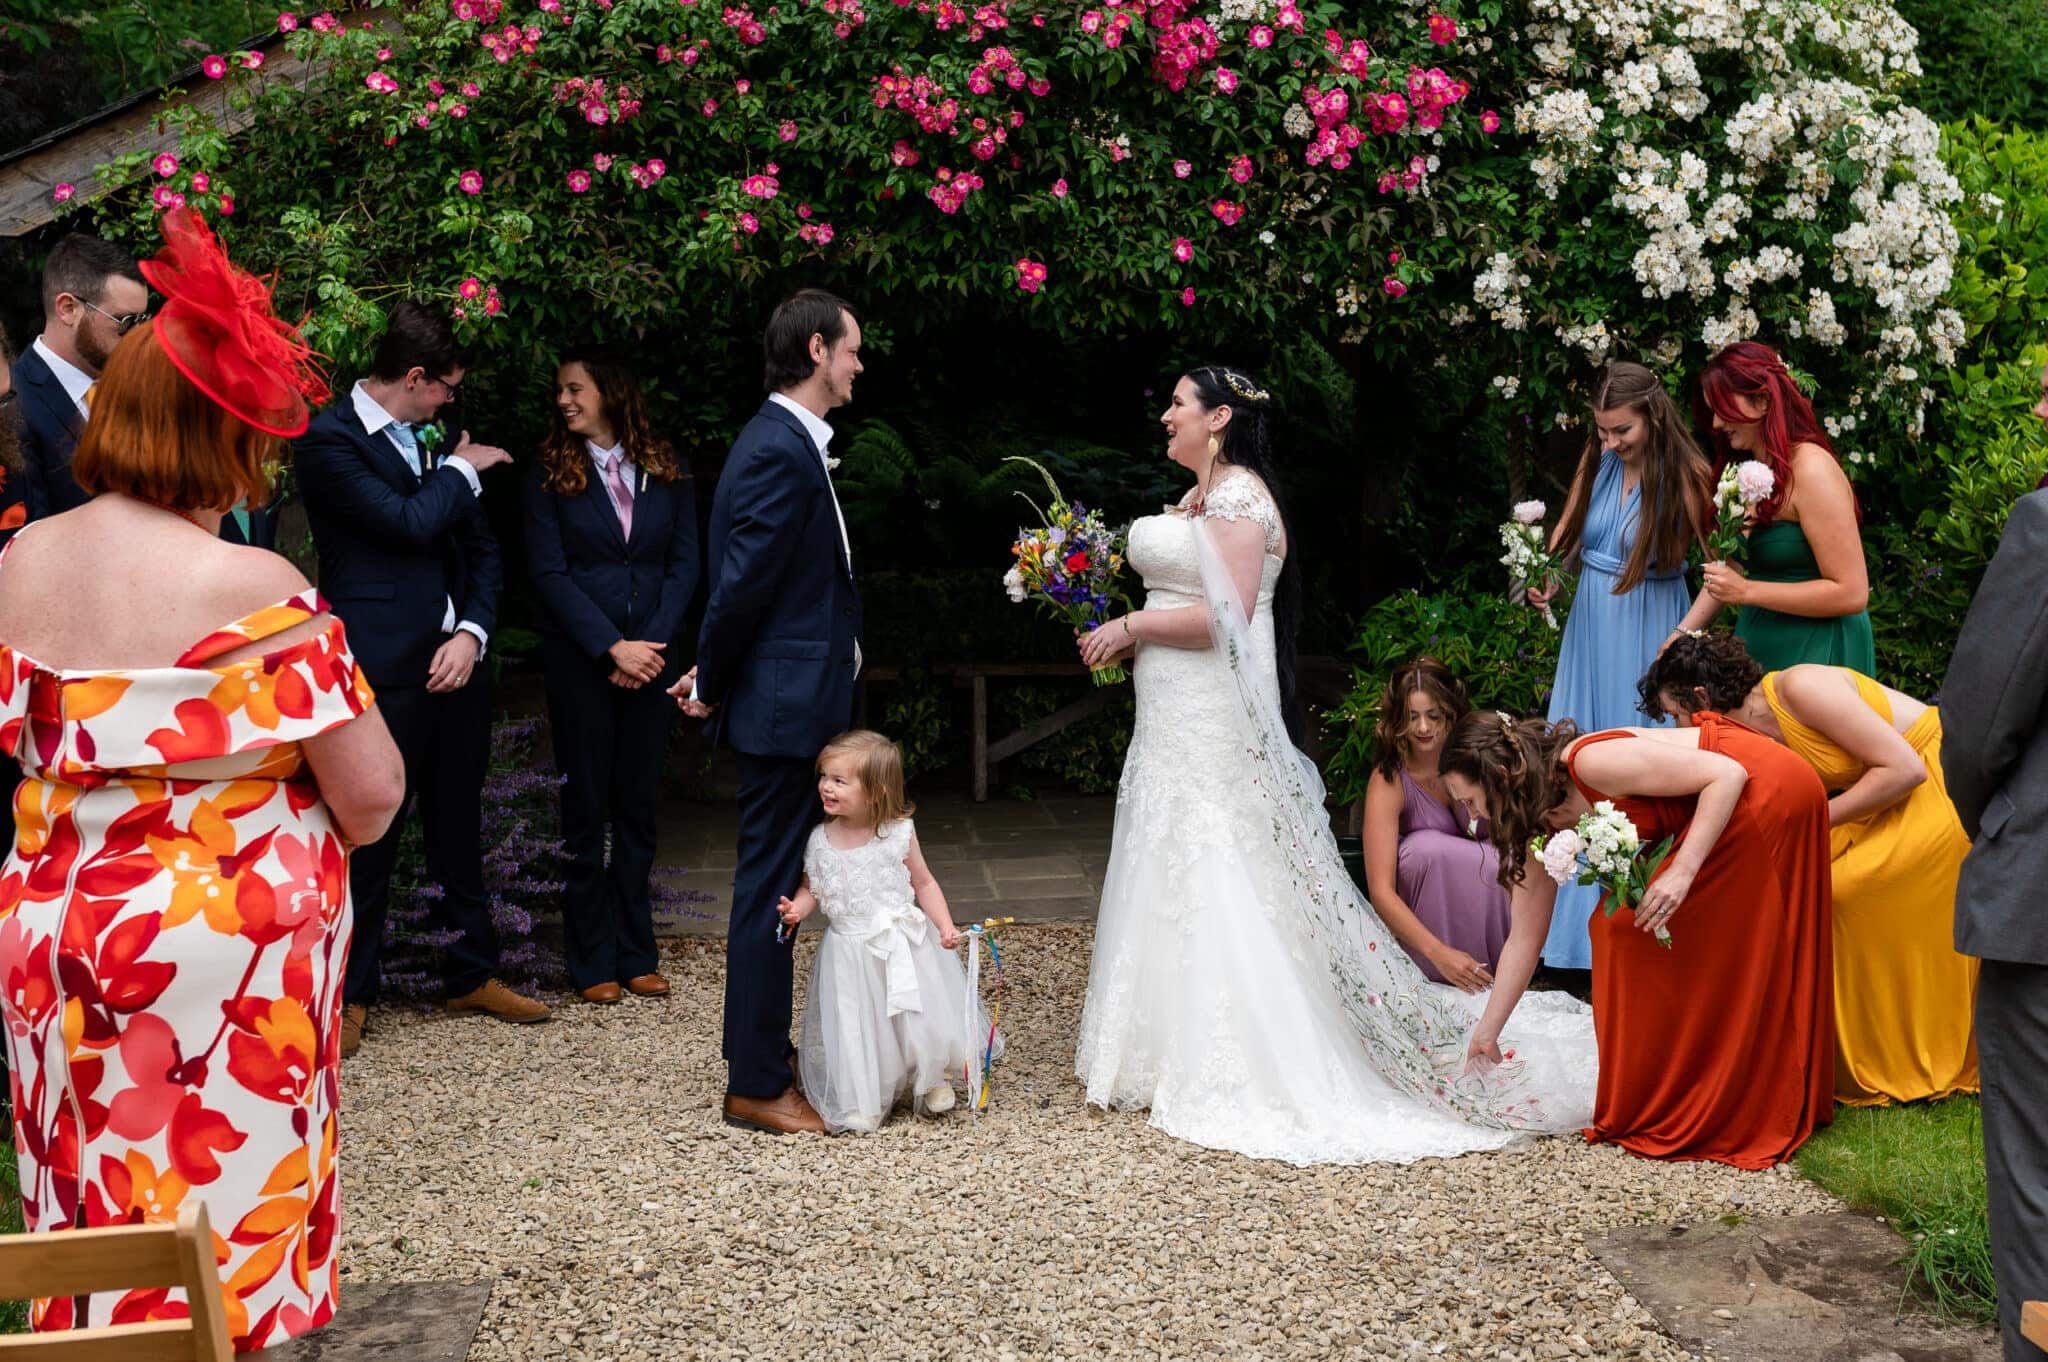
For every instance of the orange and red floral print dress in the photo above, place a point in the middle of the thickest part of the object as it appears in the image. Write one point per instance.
(174, 922)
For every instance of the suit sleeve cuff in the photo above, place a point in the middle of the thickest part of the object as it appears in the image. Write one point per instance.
(469, 475)
(482, 635)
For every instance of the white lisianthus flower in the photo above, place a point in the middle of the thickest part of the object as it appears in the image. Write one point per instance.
(1013, 583)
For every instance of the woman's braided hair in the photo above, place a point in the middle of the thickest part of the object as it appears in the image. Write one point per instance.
(1520, 765)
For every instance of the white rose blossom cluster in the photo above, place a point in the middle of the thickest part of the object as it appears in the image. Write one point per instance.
(1719, 199)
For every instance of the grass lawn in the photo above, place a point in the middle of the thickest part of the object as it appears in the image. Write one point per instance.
(1921, 1167)
(13, 1314)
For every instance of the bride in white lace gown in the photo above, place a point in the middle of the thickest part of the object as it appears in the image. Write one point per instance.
(1241, 988)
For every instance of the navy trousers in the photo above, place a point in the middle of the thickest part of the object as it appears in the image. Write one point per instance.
(446, 743)
(778, 808)
(2012, 1054)
(609, 745)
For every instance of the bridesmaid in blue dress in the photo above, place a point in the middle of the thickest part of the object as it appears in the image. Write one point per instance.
(1628, 526)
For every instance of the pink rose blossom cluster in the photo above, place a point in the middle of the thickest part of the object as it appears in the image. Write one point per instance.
(1410, 178)
(997, 64)
(381, 83)
(645, 175)
(1241, 169)
(904, 154)
(744, 23)
(849, 14)
(477, 11)
(324, 22)
(492, 303)
(1183, 50)
(1431, 94)
(952, 189)
(817, 233)
(762, 186)
(1392, 286)
(748, 224)
(252, 60)
(511, 41)
(598, 103)
(1111, 27)
(1227, 213)
(1030, 274)
(1336, 135)
(1353, 58)
(919, 96)
(166, 198)
(1443, 30)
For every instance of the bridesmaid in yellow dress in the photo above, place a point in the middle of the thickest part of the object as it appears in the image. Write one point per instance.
(1903, 996)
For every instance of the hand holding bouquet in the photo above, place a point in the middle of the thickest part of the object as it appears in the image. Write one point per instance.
(1530, 564)
(1605, 850)
(1742, 488)
(1068, 565)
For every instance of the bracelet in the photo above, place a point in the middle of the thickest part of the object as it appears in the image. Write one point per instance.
(1127, 630)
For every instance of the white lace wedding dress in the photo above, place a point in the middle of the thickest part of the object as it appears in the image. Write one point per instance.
(1241, 988)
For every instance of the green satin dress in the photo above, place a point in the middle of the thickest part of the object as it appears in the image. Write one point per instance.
(1778, 552)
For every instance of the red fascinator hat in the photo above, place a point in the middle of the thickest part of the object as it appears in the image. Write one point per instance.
(217, 327)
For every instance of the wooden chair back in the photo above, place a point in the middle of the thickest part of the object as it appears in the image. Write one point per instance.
(126, 1257)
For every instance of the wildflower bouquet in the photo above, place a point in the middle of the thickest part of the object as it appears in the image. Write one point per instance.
(1529, 562)
(1742, 488)
(1068, 565)
(1604, 850)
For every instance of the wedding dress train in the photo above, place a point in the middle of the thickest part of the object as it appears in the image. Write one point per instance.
(1241, 987)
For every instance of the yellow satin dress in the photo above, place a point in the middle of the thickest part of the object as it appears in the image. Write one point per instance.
(1903, 996)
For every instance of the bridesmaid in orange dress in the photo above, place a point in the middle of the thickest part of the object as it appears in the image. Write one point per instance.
(1720, 1045)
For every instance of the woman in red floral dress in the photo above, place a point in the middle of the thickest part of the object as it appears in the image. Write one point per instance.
(174, 916)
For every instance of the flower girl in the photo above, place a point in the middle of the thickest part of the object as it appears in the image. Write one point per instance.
(887, 1013)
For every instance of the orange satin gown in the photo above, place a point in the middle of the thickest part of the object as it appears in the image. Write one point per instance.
(1722, 1046)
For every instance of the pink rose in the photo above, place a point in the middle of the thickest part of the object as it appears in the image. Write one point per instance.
(1489, 121)
(1187, 296)
(579, 181)
(710, 107)
(1261, 36)
(749, 223)
(1226, 212)
(63, 192)
(251, 60)
(471, 182)
(1030, 275)
(787, 132)
(214, 67)
(227, 205)
(471, 287)
(287, 21)
(1241, 169)
(1226, 79)
(602, 161)
(165, 164)
(201, 182)
(1059, 189)
(1393, 287)
(1182, 169)
(1443, 29)
(1183, 249)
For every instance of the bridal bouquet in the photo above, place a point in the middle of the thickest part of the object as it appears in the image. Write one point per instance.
(1529, 563)
(1604, 850)
(1068, 566)
(1742, 488)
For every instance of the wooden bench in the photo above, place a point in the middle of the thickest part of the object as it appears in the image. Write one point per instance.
(122, 1258)
(983, 755)
(2034, 1323)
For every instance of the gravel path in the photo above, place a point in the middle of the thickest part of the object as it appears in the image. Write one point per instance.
(583, 1165)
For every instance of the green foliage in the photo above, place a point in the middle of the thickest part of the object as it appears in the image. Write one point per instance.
(919, 716)
(2001, 278)
(1087, 754)
(1921, 1166)
(135, 44)
(13, 1314)
(1504, 652)
(1986, 59)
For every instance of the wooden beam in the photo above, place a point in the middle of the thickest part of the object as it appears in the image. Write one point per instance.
(27, 181)
(2034, 1323)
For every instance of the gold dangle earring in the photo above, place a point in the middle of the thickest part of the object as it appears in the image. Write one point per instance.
(1215, 449)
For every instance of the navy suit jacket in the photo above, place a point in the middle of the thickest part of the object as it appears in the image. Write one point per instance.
(776, 652)
(598, 586)
(50, 426)
(393, 548)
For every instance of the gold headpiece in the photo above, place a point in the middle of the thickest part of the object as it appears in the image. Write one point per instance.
(1242, 386)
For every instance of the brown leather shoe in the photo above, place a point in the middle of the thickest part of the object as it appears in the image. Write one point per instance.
(648, 986)
(353, 1018)
(501, 1002)
(602, 993)
(784, 1115)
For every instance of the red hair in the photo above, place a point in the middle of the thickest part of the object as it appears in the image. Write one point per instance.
(1752, 370)
(156, 437)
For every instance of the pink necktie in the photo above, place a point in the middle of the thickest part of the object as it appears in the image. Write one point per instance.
(622, 492)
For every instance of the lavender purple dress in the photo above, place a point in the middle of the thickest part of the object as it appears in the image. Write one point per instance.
(1450, 880)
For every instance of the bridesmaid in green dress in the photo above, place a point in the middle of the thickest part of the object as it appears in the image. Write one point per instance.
(1804, 593)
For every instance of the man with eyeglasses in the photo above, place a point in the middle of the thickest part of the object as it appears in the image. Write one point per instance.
(92, 296)
(408, 562)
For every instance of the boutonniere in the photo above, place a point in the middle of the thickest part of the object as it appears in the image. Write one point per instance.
(430, 437)
(643, 481)
(830, 463)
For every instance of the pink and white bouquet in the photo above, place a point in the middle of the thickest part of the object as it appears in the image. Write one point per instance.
(1604, 849)
(1528, 559)
(1743, 487)
(1068, 566)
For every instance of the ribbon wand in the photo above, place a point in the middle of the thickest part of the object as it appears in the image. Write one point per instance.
(981, 1043)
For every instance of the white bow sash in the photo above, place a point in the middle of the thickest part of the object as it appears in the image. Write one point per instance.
(894, 940)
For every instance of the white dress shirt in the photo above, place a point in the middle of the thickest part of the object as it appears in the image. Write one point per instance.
(374, 419)
(601, 459)
(74, 379)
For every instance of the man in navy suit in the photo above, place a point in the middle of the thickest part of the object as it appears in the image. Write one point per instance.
(93, 295)
(776, 660)
(408, 562)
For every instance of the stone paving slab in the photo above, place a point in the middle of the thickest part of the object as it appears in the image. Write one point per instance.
(395, 1322)
(1034, 860)
(1808, 1288)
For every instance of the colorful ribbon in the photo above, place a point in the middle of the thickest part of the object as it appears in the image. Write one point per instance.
(981, 1044)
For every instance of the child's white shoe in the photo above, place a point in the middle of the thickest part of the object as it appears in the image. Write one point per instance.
(938, 1101)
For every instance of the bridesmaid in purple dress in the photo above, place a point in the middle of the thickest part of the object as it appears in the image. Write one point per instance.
(1434, 884)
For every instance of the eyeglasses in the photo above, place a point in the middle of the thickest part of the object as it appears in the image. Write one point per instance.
(123, 323)
(453, 390)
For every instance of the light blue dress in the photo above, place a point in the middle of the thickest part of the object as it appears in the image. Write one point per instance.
(1609, 642)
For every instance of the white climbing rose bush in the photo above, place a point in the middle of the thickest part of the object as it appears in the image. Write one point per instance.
(1699, 172)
